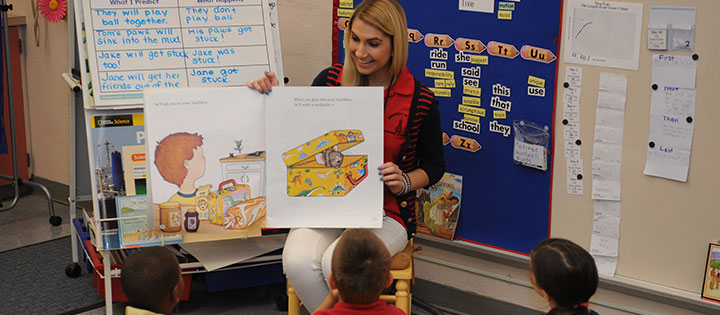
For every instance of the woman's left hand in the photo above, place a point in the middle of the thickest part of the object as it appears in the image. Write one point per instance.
(391, 175)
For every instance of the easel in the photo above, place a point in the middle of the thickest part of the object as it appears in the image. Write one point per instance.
(16, 181)
(78, 156)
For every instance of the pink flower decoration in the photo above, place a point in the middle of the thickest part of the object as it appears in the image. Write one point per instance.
(53, 10)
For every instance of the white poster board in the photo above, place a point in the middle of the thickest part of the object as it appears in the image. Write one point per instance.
(174, 43)
(340, 127)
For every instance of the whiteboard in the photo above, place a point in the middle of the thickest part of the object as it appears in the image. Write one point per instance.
(133, 45)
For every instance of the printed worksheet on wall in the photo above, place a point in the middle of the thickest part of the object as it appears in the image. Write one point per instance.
(672, 117)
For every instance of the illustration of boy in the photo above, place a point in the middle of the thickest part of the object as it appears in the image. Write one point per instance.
(180, 159)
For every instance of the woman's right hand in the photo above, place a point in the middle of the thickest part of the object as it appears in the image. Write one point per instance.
(265, 83)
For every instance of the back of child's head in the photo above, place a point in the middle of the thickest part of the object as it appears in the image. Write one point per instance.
(566, 272)
(360, 266)
(149, 278)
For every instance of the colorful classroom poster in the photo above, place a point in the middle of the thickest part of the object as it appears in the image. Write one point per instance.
(206, 160)
(324, 147)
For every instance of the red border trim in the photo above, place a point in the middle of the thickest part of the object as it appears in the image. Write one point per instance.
(335, 32)
(552, 152)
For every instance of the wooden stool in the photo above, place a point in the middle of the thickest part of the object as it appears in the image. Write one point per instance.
(401, 269)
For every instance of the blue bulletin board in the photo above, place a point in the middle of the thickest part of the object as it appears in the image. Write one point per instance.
(509, 53)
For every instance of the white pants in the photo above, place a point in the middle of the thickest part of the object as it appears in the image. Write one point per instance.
(308, 254)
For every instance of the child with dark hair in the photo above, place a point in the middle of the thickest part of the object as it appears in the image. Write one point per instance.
(360, 272)
(152, 281)
(564, 274)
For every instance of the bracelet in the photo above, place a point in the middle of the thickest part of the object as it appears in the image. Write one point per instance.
(406, 185)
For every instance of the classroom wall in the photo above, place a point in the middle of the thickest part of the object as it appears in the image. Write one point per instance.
(484, 275)
(306, 38)
(643, 208)
(665, 225)
(46, 96)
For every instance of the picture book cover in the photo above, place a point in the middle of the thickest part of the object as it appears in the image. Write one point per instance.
(135, 225)
(438, 207)
(206, 162)
(324, 146)
(108, 133)
(711, 281)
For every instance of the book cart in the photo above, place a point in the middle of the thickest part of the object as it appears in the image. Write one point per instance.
(90, 180)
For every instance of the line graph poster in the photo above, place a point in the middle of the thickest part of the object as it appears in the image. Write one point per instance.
(603, 33)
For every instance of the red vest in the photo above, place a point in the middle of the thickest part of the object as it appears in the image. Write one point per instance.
(422, 99)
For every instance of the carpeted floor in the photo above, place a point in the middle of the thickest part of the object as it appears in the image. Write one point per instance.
(34, 281)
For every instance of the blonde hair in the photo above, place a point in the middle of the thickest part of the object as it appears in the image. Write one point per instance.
(388, 17)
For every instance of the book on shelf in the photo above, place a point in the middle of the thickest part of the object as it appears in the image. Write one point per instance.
(108, 135)
(135, 224)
